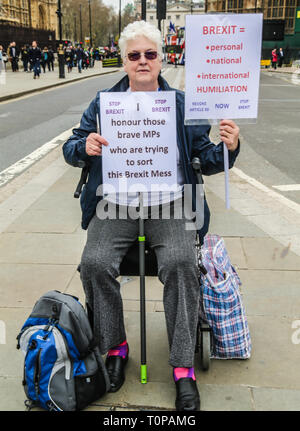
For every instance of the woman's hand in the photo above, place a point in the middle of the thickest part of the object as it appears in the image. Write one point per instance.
(229, 133)
(94, 142)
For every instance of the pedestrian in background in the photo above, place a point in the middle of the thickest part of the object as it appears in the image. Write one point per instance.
(3, 56)
(69, 56)
(280, 57)
(79, 58)
(2, 64)
(51, 59)
(45, 59)
(25, 57)
(13, 55)
(274, 58)
(35, 55)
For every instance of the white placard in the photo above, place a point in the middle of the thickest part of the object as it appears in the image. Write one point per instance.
(140, 128)
(222, 68)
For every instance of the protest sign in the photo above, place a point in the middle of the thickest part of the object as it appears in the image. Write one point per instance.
(140, 128)
(222, 67)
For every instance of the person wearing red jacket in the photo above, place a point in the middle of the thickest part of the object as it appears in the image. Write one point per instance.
(274, 58)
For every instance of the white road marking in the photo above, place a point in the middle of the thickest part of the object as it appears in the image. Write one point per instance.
(271, 193)
(12, 171)
(279, 100)
(288, 187)
(276, 85)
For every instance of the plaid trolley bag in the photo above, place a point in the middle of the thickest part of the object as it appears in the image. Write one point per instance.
(221, 304)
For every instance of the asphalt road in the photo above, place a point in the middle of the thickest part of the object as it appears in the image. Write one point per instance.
(30, 122)
(270, 148)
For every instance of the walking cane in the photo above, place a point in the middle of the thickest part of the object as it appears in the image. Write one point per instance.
(142, 240)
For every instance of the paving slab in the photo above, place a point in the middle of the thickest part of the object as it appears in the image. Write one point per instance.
(41, 220)
(233, 224)
(273, 305)
(273, 353)
(75, 287)
(54, 211)
(266, 253)
(11, 359)
(261, 281)
(225, 398)
(250, 206)
(277, 224)
(153, 289)
(12, 395)
(276, 399)
(22, 284)
(41, 248)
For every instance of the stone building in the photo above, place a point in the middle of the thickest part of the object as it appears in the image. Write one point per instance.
(272, 9)
(175, 12)
(27, 20)
(37, 14)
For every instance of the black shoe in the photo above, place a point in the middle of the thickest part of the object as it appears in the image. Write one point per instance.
(187, 395)
(115, 367)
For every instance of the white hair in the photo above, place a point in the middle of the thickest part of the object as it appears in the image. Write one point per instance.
(140, 28)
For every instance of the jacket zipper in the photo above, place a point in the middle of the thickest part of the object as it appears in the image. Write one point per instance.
(37, 374)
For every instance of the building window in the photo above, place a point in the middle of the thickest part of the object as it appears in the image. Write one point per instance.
(177, 16)
(151, 17)
(169, 17)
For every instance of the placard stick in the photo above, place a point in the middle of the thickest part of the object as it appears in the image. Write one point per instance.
(98, 125)
(226, 170)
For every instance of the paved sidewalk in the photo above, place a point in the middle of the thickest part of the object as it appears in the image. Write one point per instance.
(285, 70)
(40, 247)
(15, 84)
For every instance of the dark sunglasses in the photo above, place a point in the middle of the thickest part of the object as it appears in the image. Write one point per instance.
(134, 56)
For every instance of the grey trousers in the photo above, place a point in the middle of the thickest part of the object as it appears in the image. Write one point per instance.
(107, 244)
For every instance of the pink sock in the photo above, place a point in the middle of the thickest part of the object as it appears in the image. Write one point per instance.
(120, 350)
(180, 372)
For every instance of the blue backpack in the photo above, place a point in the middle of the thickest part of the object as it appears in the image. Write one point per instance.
(63, 368)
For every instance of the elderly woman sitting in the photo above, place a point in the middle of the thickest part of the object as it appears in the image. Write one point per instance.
(108, 240)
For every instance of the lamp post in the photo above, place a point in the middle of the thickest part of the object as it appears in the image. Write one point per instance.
(75, 28)
(80, 23)
(29, 13)
(143, 10)
(119, 18)
(60, 51)
(90, 16)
